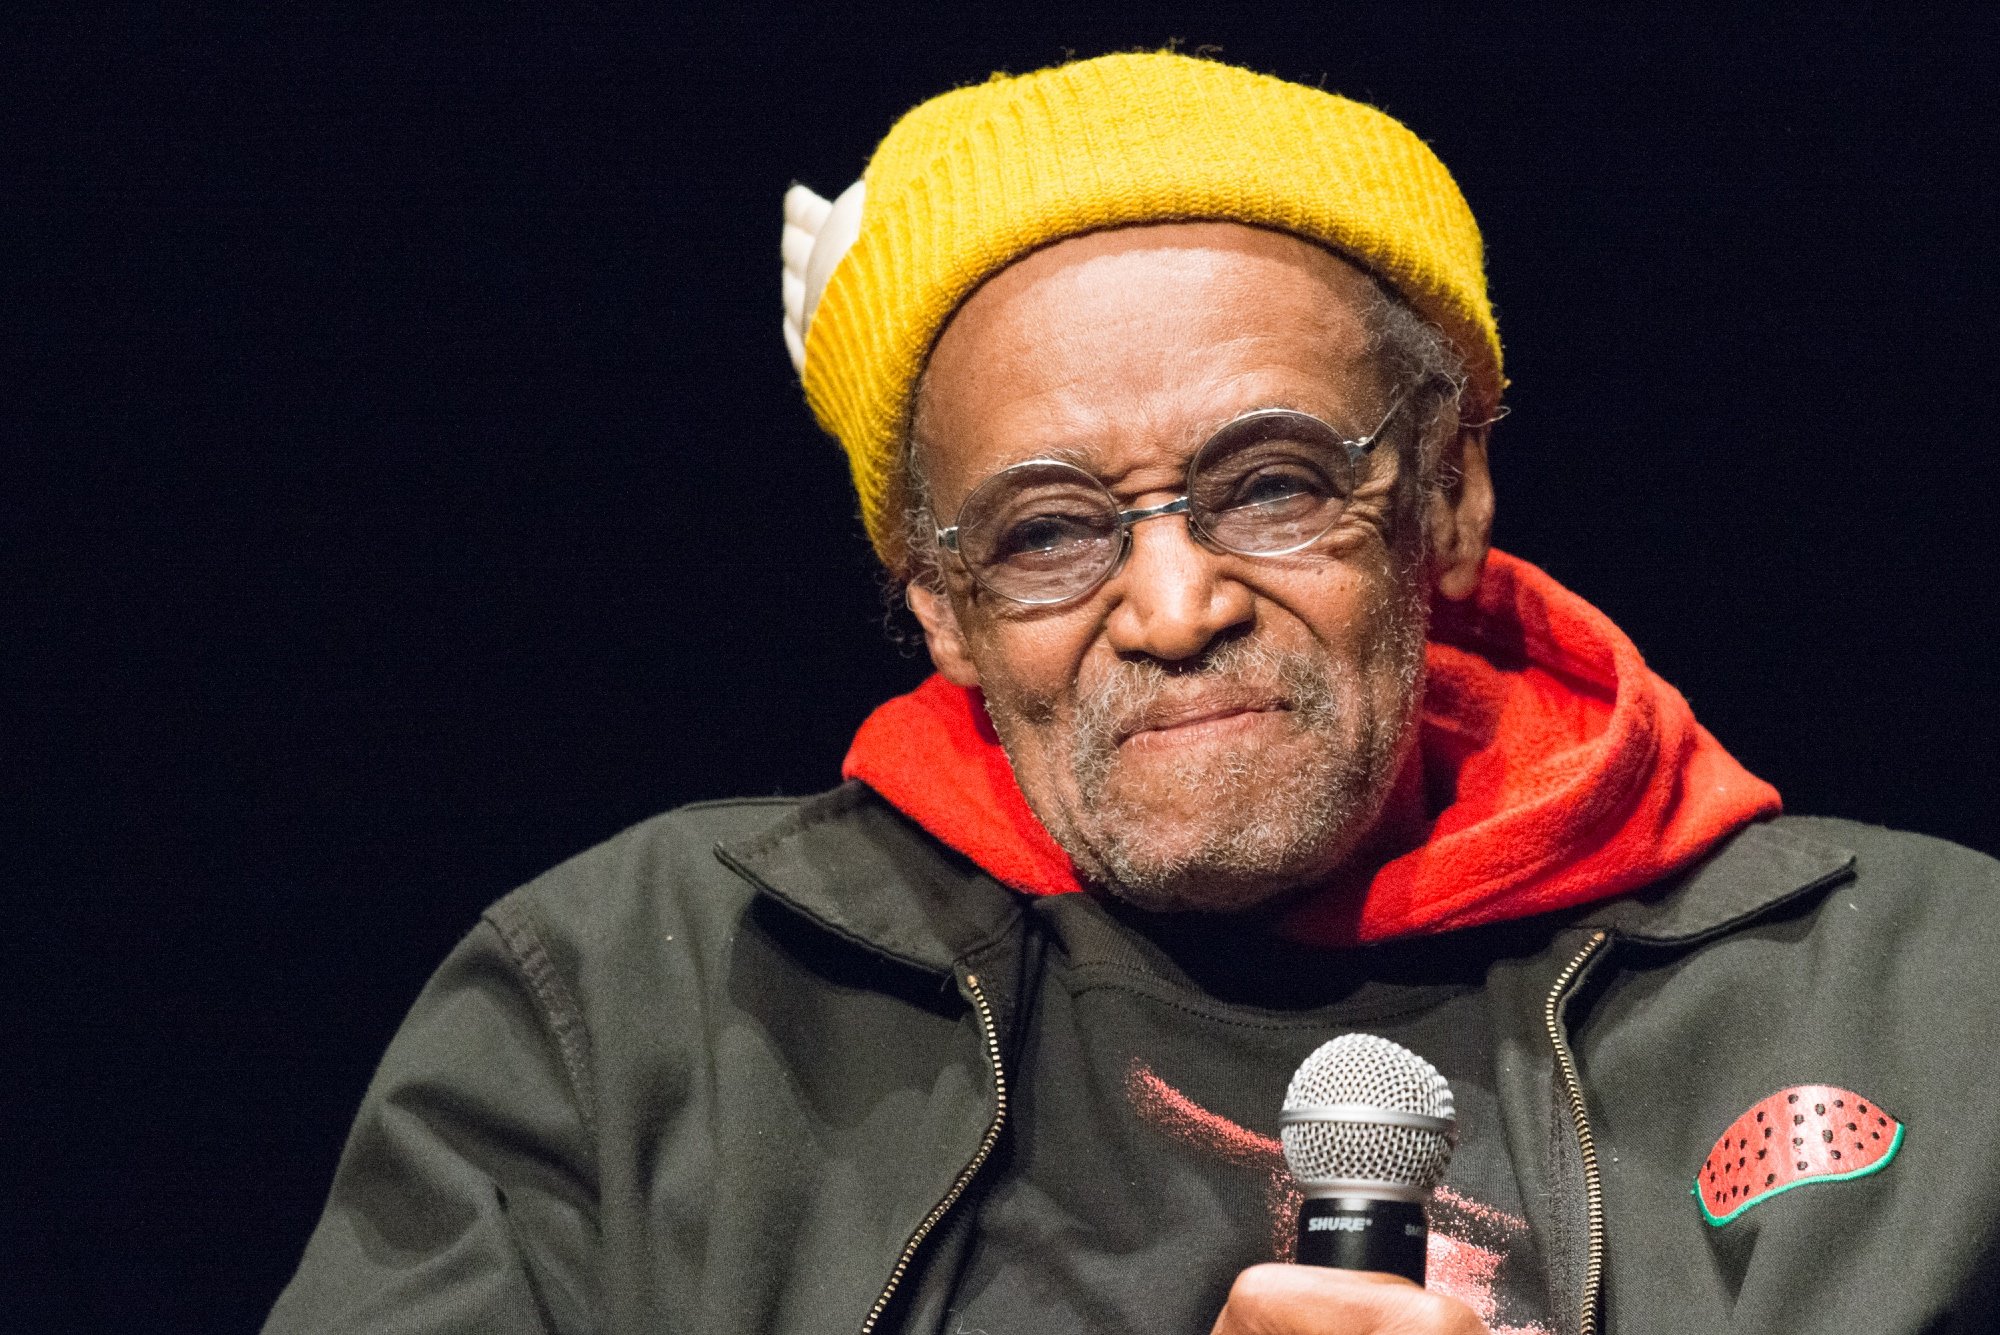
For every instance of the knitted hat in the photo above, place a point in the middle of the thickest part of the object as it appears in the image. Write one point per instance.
(973, 180)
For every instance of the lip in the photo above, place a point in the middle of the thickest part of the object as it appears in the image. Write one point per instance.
(1197, 719)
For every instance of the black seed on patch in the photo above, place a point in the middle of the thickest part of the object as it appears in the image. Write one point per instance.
(1791, 1098)
(1840, 1103)
(1798, 1140)
(1850, 1126)
(1767, 1131)
(1863, 1107)
(1802, 1165)
(1739, 1161)
(1760, 1117)
(1826, 1136)
(1881, 1121)
(1741, 1143)
(1876, 1134)
(1769, 1178)
(1760, 1154)
(1797, 1118)
(1820, 1108)
(1835, 1153)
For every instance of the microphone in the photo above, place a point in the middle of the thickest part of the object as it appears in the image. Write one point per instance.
(1368, 1128)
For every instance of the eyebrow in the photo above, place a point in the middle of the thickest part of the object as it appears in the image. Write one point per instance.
(1080, 456)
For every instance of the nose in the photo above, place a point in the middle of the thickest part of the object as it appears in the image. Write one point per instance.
(1172, 598)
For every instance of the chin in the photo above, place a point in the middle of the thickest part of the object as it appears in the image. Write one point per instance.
(1231, 870)
(1228, 840)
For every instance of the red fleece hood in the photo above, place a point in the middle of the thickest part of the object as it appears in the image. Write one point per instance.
(1561, 771)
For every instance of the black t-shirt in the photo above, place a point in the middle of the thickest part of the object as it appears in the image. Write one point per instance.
(1142, 1169)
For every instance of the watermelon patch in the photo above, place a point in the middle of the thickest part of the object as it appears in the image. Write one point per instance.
(1808, 1133)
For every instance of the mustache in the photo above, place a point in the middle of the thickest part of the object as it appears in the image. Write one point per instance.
(1241, 673)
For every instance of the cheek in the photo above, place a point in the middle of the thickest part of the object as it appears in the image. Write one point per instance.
(1346, 606)
(1031, 668)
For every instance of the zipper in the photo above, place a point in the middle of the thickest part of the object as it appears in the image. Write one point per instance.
(1593, 1185)
(990, 1033)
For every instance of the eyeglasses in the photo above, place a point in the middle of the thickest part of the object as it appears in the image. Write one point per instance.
(1268, 483)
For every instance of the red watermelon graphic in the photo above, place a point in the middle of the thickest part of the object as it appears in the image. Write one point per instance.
(1808, 1133)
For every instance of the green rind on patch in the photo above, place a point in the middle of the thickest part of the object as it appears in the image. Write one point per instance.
(1895, 1144)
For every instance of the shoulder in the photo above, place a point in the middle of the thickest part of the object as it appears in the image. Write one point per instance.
(654, 884)
(631, 951)
(1869, 912)
(662, 853)
(1917, 913)
(685, 891)
(1897, 855)
(1855, 917)
(1902, 879)
(1795, 865)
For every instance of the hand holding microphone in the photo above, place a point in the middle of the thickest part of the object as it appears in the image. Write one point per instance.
(1368, 1129)
(1314, 1300)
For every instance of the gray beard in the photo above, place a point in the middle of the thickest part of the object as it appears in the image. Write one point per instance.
(1267, 830)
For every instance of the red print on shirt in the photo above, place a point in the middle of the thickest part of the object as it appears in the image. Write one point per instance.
(1468, 1238)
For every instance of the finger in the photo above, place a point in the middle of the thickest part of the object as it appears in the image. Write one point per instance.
(1310, 1300)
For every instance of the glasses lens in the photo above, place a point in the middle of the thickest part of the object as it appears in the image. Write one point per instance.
(1271, 483)
(1038, 532)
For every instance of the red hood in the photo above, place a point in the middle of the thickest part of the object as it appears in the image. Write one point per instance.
(1561, 771)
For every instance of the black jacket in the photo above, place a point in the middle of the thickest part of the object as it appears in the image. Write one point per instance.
(732, 1071)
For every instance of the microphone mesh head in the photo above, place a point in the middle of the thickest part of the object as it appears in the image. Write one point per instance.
(1370, 1071)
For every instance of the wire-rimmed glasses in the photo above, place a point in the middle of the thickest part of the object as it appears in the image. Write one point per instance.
(1268, 483)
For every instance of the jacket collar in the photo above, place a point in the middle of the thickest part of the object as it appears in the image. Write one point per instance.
(854, 865)
(851, 863)
(1760, 869)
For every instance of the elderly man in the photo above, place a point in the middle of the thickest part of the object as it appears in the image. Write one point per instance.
(1167, 389)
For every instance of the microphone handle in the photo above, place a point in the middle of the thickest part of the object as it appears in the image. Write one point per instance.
(1357, 1233)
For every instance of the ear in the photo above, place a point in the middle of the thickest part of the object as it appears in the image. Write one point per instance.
(1461, 515)
(942, 635)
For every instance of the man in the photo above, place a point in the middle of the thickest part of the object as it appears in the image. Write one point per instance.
(1167, 390)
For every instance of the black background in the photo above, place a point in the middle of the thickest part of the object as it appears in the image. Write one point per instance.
(406, 488)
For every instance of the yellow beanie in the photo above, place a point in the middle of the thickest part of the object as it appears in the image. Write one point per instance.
(971, 181)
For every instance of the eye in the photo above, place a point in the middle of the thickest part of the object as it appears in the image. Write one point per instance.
(1270, 481)
(1271, 484)
(1047, 535)
(1274, 483)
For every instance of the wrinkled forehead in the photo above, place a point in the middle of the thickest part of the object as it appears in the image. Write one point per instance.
(1122, 350)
